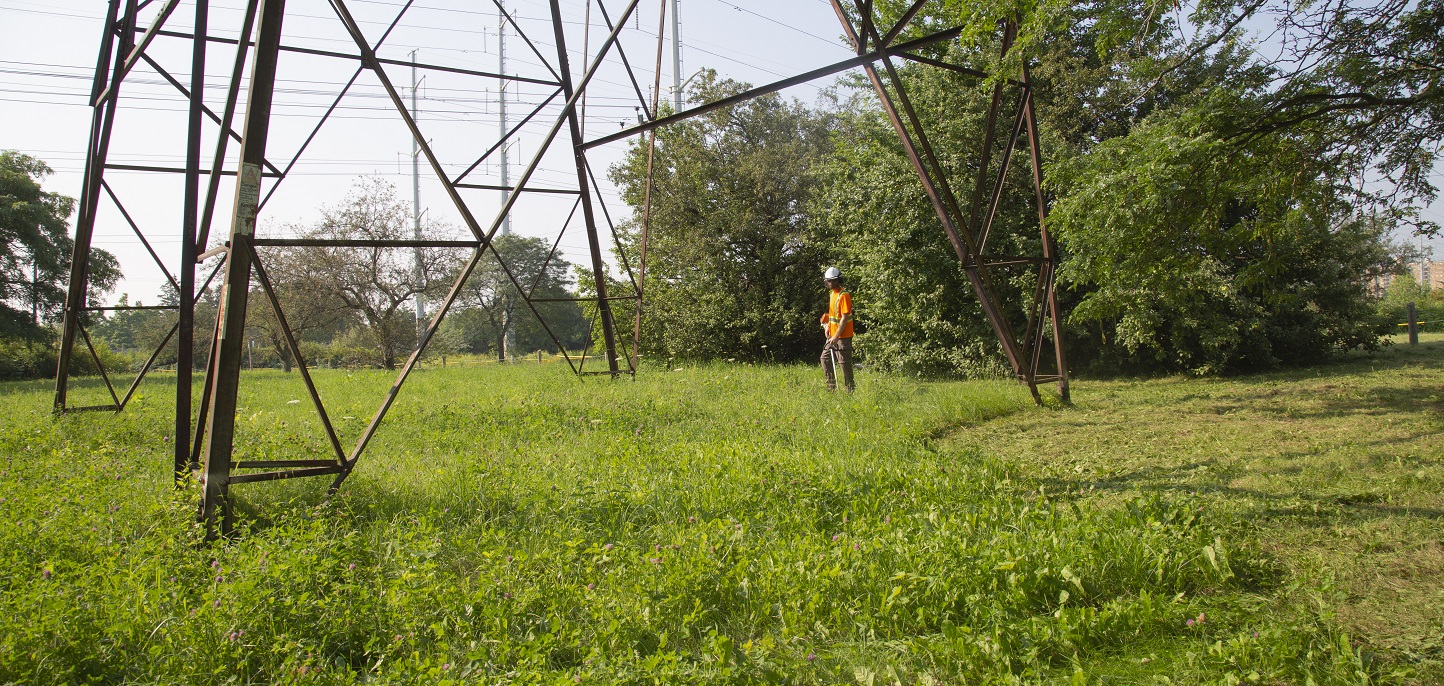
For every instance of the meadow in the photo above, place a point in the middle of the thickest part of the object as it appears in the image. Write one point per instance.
(727, 523)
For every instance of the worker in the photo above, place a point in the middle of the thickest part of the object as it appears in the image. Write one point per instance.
(837, 326)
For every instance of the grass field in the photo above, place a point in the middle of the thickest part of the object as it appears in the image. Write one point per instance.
(736, 524)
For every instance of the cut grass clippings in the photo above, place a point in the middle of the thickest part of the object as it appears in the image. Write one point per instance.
(718, 524)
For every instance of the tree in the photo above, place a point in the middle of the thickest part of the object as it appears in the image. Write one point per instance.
(310, 303)
(1360, 82)
(375, 283)
(491, 300)
(35, 250)
(1189, 240)
(732, 268)
(1195, 252)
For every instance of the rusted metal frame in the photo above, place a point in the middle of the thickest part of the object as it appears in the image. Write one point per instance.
(978, 273)
(535, 111)
(651, 113)
(295, 348)
(332, 109)
(582, 299)
(224, 380)
(1034, 327)
(616, 240)
(555, 244)
(989, 133)
(902, 23)
(368, 58)
(960, 237)
(921, 59)
(280, 464)
(493, 187)
(312, 136)
(360, 243)
(410, 364)
(185, 322)
(458, 70)
(864, 14)
(186, 93)
(1004, 163)
(137, 50)
(100, 367)
(228, 116)
(383, 60)
(198, 441)
(277, 476)
(174, 170)
(1014, 261)
(647, 192)
(97, 148)
(511, 276)
(138, 234)
(587, 349)
(524, 37)
(1050, 253)
(127, 308)
(844, 65)
(609, 334)
(145, 369)
(568, 108)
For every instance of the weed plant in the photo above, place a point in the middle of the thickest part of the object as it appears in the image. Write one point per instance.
(713, 524)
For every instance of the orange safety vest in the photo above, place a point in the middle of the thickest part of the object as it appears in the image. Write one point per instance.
(839, 303)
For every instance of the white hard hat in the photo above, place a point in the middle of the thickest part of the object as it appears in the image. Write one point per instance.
(832, 273)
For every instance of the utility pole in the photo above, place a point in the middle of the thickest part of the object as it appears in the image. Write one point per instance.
(508, 335)
(676, 60)
(416, 206)
(1423, 265)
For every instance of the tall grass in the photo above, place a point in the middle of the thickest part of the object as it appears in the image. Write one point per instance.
(721, 523)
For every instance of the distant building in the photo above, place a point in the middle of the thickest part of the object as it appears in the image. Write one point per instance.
(1430, 273)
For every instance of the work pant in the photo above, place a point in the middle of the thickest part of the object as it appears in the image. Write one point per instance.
(843, 350)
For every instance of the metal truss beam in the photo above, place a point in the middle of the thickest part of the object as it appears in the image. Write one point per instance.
(208, 443)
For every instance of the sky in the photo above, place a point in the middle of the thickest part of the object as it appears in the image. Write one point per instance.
(48, 51)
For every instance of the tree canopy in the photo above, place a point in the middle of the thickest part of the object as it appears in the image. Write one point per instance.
(35, 249)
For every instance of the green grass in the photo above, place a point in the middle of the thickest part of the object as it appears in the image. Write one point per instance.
(1337, 472)
(727, 524)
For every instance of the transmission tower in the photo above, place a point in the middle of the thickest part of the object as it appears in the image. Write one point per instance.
(205, 440)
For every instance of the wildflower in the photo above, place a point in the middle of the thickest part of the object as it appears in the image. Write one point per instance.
(1255, 634)
(591, 586)
(215, 564)
(351, 566)
(446, 666)
(607, 547)
(220, 579)
(508, 559)
(811, 657)
(46, 574)
(1189, 622)
(218, 602)
(855, 546)
(398, 637)
(836, 537)
(690, 520)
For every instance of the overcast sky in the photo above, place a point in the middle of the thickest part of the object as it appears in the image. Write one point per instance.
(48, 51)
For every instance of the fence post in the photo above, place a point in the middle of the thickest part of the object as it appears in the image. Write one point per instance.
(1413, 325)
